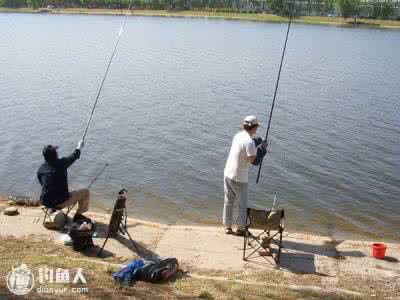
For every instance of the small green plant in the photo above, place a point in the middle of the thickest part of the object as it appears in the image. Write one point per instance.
(206, 295)
(111, 269)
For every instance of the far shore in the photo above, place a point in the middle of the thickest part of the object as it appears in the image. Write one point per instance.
(256, 17)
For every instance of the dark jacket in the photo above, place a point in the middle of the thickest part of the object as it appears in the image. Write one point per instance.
(53, 177)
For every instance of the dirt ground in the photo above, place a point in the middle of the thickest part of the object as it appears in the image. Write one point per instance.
(314, 264)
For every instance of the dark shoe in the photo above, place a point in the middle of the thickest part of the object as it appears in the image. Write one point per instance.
(239, 232)
(78, 218)
(228, 230)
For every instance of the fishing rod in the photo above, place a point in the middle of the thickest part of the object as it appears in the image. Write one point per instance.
(277, 84)
(273, 204)
(97, 176)
(121, 30)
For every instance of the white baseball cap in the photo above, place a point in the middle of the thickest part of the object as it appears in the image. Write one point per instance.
(251, 121)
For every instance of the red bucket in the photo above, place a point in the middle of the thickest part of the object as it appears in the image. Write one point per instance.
(378, 250)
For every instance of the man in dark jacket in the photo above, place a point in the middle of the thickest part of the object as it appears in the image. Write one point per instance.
(53, 177)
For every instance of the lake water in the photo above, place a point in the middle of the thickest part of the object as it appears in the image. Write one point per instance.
(173, 100)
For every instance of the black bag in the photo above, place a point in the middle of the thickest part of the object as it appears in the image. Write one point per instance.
(159, 271)
(81, 239)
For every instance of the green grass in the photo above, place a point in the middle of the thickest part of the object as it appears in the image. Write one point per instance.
(111, 269)
(212, 289)
(17, 10)
(225, 15)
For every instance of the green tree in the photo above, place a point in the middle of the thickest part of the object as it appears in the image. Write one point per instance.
(349, 8)
(376, 9)
(387, 9)
(84, 3)
(281, 7)
(328, 6)
(12, 3)
(35, 4)
(125, 3)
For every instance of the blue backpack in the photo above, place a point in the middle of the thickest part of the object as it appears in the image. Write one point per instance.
(129, 273)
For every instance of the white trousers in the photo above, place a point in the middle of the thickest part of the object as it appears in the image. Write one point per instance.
(233, 191)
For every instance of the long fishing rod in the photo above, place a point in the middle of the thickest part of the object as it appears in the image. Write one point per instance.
(97, 176)
(277, 83)
(121, 30)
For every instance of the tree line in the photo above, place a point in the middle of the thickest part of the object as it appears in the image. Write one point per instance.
(377, 9)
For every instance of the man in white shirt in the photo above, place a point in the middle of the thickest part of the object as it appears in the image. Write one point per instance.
(243, 153)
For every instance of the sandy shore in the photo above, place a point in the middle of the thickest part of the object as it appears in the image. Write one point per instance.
(307, 260)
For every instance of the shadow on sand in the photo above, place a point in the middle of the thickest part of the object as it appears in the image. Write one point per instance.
(299, 257)
(136, 247)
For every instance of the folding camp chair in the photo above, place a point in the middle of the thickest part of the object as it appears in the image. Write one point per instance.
(48, 211)
(272, 224)
(118, 221)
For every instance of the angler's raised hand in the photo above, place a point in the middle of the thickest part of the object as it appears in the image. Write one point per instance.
(257, 140)
(264, 144)
(81, 143)
(261, 152)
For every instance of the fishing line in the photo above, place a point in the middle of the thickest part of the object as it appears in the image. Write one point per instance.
(121, 30)
(277, 83)
(97, 176)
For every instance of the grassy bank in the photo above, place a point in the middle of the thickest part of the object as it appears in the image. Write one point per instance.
(218, 15)
(36, 253)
